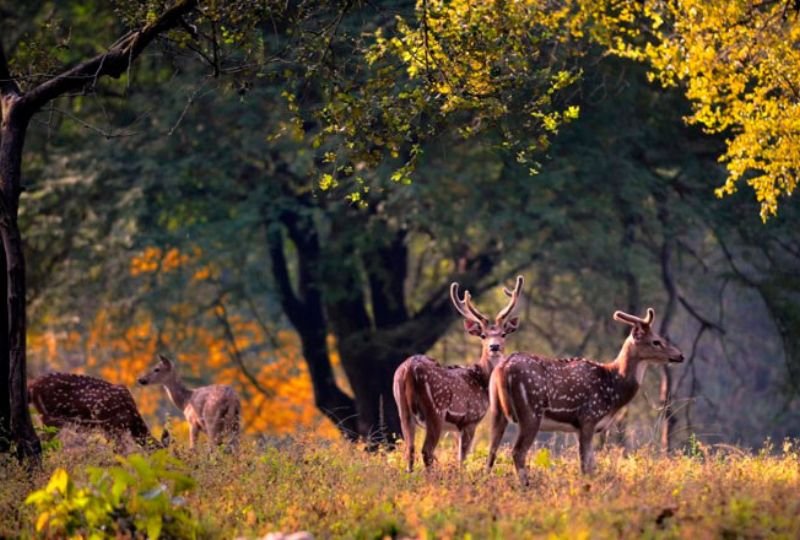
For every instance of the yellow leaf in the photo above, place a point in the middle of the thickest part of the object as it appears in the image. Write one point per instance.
(41, 522)
(59, 482)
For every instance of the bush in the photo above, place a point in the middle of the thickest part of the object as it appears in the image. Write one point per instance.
(140, 497)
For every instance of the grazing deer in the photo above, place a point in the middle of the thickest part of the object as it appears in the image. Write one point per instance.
(571, 394)
(214, 409)
(89, 402)
(452, 397)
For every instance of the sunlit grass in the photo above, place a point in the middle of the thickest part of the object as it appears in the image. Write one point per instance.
(337, 490)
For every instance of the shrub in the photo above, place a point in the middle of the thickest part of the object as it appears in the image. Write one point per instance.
(140, 497)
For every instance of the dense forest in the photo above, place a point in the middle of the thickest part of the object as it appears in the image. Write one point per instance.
(278, 195)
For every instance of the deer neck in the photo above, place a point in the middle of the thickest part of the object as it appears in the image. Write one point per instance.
(629, 366)
(178, 393)
(488, 361)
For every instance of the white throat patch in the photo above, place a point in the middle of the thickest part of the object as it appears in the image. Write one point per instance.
(641, 368)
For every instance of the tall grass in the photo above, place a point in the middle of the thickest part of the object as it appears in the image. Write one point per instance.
(337, 490)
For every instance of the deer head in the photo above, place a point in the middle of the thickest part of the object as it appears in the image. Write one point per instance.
(163, 372)
(492, 334)
(644, 343)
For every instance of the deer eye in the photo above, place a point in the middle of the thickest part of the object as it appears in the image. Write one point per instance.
(483, 336)
(503, 334)
(157, 370)
(657, 343)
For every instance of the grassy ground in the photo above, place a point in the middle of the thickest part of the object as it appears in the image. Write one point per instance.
(336, 490)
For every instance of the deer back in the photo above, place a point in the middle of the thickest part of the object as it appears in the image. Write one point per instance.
(566, 392)
(459, 395)
(217, 407)
(66, 398)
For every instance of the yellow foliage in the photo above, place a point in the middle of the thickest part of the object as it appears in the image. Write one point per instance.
(740, 65)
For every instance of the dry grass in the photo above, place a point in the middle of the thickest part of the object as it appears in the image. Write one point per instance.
(336, 490)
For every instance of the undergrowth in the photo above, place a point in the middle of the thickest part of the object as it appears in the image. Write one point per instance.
(337, 490)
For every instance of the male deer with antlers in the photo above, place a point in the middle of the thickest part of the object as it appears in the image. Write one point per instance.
(89, 402)
(213, 409)
(452, 397)
(571, 394)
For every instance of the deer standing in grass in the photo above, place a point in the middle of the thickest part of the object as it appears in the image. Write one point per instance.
(571, 394)
(452, 397)
(88, 402)
(213, 409)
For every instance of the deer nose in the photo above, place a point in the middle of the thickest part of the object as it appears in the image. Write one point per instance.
(142, 381)
(494, 347)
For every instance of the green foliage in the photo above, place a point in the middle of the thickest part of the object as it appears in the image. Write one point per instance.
(141, 497)
(693, 447)
(47, 436)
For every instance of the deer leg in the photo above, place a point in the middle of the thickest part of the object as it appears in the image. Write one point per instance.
(528, 428)
(465, 437)
(585, 447)
(433, 430)
(499, 424)
(408, 427)
(192, 435)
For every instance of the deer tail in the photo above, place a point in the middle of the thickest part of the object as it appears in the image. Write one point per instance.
(403, 390)
(500, 393)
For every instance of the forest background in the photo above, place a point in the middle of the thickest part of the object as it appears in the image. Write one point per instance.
(280, 195)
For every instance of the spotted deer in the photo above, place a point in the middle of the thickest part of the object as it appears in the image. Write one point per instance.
(213, 409)
(88, 402)
(571, 394)
(452, 397)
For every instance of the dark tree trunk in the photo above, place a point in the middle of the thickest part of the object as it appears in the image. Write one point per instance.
(20, 432)
(371, 342)
(5, 394)
(305, 312)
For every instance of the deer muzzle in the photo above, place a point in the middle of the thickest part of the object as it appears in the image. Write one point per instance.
(676, 359)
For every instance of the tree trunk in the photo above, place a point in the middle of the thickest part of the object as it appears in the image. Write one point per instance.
(5, 379)
(19, 425)
(305, 313)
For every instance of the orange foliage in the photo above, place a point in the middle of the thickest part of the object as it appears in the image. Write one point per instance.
(283, 403)
(155, 259)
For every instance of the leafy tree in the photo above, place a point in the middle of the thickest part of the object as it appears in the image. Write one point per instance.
(738, 61)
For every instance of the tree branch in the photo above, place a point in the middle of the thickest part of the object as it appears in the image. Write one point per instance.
(112, 63)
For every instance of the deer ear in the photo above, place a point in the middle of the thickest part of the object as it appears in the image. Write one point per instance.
(472, 327)
(511, 325)
(164, 359)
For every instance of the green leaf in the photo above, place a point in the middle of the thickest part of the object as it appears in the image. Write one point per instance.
(154, 526)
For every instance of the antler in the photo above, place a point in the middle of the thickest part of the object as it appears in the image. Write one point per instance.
(633, 320)
(465, 307)
(514, 295)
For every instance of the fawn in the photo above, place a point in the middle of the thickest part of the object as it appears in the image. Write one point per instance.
(213, 409)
